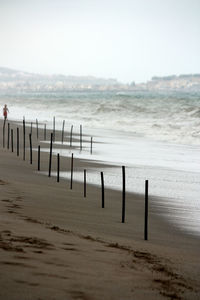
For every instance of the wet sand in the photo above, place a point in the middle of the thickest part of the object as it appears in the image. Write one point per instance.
(56, 244)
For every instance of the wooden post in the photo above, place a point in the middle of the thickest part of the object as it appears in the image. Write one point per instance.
(80, 137)
(84, 184)
(102, 190)
(146, 211)
(50, 154)
(54, 129)
(31, 127)
(30, 140)
(123, 194)
(39, 158)
(71, 133)
(12, 146)
(37, 128)
(17, 141)
(58, 167)
(8, 141)
(63, 129)
(4, 125)
(45, 129)
(24, 139)
(72, 162)
(91, 145)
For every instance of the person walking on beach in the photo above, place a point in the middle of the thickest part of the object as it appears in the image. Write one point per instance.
(5, 112)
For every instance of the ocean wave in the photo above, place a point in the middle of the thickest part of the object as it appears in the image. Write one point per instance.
(170, 117)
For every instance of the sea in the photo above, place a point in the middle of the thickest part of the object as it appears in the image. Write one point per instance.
(155, 135)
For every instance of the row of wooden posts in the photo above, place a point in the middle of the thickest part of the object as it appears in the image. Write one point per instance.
(62, 136)
(44, 136)
(52, 139)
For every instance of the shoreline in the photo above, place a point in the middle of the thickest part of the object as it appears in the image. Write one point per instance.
(49, 206)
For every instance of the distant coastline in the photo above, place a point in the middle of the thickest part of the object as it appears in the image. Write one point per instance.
(18, 81)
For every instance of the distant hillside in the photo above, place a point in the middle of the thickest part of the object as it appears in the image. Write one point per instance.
(24, 81)
(183, 82)
(18, 81)
(175, 77)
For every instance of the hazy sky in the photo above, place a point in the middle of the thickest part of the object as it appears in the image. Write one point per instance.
(130, 40)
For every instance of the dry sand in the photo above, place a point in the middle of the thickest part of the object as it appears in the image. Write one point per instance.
(56, 244)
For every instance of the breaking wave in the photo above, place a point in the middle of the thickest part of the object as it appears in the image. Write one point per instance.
(173, 117)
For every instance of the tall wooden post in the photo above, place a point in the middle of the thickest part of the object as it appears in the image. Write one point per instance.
(38, 157)
(146, 211)
(63, 130)
(123, 194)
(17, 141)
(85, 183)
(72, 166)
(30, 141)
(102, 190)
(50, 154)
(58, 167)
(12, 146)
(24, 139)
(8, 141)
(91, 145)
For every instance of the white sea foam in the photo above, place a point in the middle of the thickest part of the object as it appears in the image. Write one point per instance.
(172, 170)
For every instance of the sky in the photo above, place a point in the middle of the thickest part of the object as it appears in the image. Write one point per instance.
(130, 40)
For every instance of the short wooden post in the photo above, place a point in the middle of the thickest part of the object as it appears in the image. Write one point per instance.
(30, 140)
(146, 211)
(50, 154)
(71, 134)
(91, 145)
(123, 194)
(63, 129)
(38, 157)
(12, 146)
(72, 163)
(24, 139)
(8, 141)
(45, 129)
(80, 137)
(58, 167)
(85, 183)
(17, 141)
(37, 128)
(4, 125)
(102, 190)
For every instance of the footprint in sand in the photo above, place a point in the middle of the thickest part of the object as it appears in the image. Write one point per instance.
(12, 263)
(6, 200)
(3, 182)
(69, 249)
(26, 282)
(78, 295)
(31, 220)
(50, 275)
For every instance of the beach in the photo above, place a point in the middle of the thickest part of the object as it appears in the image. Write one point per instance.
(56, 244)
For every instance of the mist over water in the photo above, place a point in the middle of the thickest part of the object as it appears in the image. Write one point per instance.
(172, 117)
